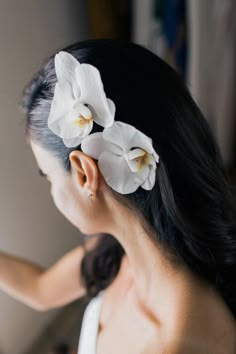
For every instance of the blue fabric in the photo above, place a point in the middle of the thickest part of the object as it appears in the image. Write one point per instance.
(172, 14)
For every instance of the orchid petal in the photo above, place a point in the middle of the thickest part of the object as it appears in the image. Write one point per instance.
(135, 165)
(152, 162)
(82, 132)
(72, 142)
(62, 102)
(128, 137)
(65, 67)
(150, 181)
(118, 175)
(142, 141)
(67, 126)
(140, 160)
(60, 107)
(133, 154)
(156, 156)
(94, 145)
(92, 93)
(83, 110)
(64, 118)
(120, 134)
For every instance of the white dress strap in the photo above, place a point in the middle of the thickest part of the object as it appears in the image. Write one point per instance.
(90, 325)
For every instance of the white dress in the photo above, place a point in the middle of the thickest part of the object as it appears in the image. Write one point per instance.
(90, 325)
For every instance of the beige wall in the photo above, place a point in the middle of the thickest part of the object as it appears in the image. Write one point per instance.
(30, 225)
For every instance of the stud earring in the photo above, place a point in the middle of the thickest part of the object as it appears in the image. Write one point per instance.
(90, 195)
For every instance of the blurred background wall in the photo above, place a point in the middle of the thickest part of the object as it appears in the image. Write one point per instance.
(30, 225)
(196, 37)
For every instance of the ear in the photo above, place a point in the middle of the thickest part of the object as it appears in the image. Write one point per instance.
(85, 171)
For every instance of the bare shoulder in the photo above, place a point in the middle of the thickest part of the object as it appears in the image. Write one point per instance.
(194, 320)
(204, 325)
(174, 319)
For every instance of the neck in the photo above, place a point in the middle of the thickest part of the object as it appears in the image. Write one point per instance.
(148, 263)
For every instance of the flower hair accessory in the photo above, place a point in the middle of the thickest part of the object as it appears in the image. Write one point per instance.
(79, 99)
(126, 157)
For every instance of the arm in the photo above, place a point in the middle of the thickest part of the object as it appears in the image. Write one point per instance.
(40, 288)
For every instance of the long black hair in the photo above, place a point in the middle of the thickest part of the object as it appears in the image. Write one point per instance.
(191, 207)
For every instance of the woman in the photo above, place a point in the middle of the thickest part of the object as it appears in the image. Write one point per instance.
(128, 153)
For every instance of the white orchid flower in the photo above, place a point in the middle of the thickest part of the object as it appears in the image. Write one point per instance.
(79, 100)
(126, 157)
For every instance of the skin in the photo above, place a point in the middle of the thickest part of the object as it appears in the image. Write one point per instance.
(164, 309)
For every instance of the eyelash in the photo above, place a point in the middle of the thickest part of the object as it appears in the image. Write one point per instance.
(41, 173)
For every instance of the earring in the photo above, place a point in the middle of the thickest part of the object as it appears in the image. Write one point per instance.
(90, 195)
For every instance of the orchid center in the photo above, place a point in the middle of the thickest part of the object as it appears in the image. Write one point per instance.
(142, 160)
(137, 158)
(82, 120)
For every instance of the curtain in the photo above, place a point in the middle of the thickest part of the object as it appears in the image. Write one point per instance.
(212, 67)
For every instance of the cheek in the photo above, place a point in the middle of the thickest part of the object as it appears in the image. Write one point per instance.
(64, 199)
(70, 204)
(75, 208)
